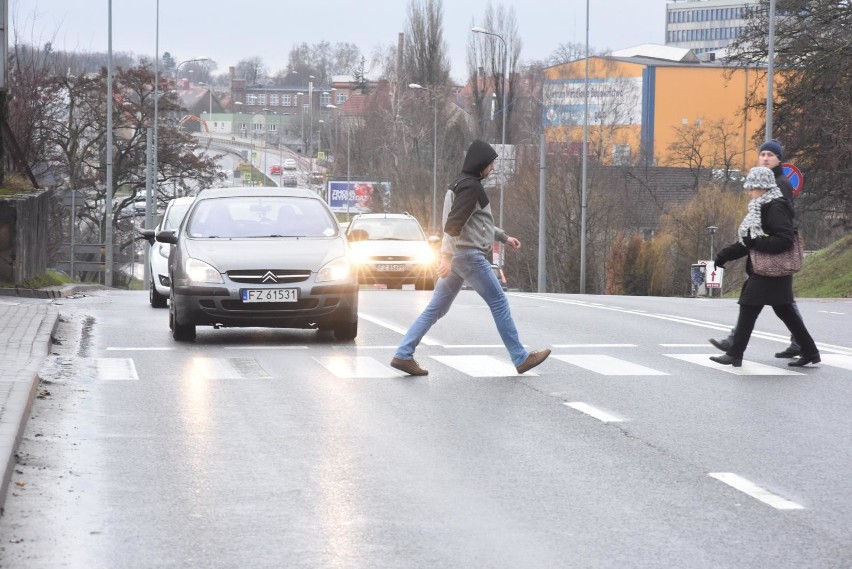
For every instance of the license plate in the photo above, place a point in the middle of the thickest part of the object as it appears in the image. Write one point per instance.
(270, 294)
(390, 267)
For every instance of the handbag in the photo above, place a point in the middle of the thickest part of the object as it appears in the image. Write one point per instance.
(778, 264)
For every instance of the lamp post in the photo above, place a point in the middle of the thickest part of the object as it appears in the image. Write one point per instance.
(334, 120)
(320, 122)
(302, 106)
(311, 118)
(712, 229)
(434, 220)
(177, 68)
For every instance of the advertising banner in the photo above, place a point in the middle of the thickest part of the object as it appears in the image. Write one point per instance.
(358, 197)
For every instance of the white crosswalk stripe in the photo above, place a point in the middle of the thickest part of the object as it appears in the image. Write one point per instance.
(837, 360)
(748, 368)
(607, 365)
(357, 367)
(116, 369)
(225, 368)
(480, 366)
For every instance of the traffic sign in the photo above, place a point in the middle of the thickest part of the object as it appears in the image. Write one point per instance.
(713, 275)
(795, 176)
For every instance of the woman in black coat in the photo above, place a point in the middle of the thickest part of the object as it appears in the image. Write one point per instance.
(768, 227)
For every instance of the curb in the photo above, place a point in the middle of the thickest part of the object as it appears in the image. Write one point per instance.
(19, 405)
(49, 292)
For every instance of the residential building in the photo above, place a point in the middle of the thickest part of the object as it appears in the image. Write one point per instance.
(705, 26)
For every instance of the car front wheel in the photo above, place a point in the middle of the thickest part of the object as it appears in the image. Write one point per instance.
(180, 332)
(157, 300)
(346, 331)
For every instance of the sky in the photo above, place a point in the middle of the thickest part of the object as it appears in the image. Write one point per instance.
(228, 31)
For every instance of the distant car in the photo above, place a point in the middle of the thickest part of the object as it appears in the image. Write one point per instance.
(275, 169)
(270, 257)
(290, 164)
(158, 254)
(289, 179)
(392, 249)
(316, 177)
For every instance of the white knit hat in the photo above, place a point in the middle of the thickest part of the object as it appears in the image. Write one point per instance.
(760, 177)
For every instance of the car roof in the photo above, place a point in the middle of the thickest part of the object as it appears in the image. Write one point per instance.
(255, 192)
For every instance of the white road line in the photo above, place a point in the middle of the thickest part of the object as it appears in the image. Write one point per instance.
(836, 360)
(593, 412)
(595, 346)
(748, 368)
(131, 349)
(116, 369)
(704, 345)
(680, 319)
(608, 365)
(224, 368)
(265, 347)
(750, 488)
(426, 339)
(472, 346)
(480, 366)
(357, 367)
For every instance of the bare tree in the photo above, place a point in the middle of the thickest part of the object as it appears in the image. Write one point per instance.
(426, 59)
(252, 69)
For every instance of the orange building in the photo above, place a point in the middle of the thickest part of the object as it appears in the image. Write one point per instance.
(656, 107)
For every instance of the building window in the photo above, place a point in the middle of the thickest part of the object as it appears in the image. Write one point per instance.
(273, 100)
(261, 99)
(251, 99)
(285, 100)
(258, 127)
(341, 98)
(325, 99)
(242, 126)
(271, 127)
(305, 107)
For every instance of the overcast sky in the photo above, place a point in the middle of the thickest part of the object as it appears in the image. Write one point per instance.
(228, 31)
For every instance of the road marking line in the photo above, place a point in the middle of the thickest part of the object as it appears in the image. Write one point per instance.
(836, 360)
(480, 366)
(426, 339)
(265, 347)
(608, 365)
(750, 488)
(465, 346)
(116, 369)
(225, 368)
(749, 368)
(595, 346)
(679, 319)
(684, 345)
(357, 367)
(131, 349)
(593, 412)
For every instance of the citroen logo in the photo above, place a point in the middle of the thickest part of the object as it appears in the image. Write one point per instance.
(269, 277)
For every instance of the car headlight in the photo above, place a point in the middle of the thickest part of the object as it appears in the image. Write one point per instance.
(337, 270)
(200, 272)
(163, 250)
(358, 256)
(425, 257)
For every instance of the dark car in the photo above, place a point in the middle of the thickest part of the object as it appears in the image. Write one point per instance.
(270, 257)
(289, 179)
(392, 249)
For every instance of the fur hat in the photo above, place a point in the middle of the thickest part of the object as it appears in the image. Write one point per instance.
(760, 177)
(772, 146)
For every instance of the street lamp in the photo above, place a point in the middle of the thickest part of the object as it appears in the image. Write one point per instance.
(320, 122)
(712, 229)
(434, 219)
(334, 117)
(478, 30)
(302, 106)
(311, 117)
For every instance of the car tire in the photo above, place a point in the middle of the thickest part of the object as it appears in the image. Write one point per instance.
(180, 332)
(347, 331)
(157, 300)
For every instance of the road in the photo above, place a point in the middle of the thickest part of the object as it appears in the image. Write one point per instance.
(271, 448)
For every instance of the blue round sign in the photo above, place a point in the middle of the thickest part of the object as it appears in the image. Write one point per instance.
(795, 176)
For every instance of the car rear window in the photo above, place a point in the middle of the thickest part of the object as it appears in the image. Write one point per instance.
(262, 216)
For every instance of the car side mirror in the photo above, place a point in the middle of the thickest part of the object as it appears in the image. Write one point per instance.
(167, 236)
(148, 235)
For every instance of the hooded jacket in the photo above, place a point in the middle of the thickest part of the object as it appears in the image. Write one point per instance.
(468, 222)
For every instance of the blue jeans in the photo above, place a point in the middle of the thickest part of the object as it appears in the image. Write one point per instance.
(472, 266)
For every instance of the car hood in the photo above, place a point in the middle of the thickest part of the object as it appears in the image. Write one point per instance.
(389, 247)
(309, 253)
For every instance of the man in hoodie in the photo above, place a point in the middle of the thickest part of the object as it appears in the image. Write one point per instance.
(469, 235)
(770, 156)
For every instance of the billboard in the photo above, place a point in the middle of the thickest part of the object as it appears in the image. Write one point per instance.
(612, 101)
(358, 197)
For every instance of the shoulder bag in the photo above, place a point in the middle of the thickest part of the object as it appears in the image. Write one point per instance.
(778, 264)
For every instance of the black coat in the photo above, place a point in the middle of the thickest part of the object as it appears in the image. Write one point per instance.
(776, 217)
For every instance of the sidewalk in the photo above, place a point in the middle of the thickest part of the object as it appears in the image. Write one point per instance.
(27, 321)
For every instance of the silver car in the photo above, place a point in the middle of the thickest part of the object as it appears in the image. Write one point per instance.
(271, 257)
(158, 253)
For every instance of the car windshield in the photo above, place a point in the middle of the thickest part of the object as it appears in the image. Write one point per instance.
(387, 228)
(175, 215)
(263, 216)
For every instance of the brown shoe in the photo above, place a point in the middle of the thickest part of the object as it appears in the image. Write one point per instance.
(533, 360)
(411, 367)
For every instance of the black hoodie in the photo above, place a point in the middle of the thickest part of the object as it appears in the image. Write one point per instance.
(468, 221)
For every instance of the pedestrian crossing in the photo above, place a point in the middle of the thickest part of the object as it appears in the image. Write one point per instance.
(348, 366)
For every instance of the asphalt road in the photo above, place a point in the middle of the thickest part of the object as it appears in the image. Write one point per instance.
(276, 448)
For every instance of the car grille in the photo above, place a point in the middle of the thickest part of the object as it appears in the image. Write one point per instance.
(269, 276)
(390, 258)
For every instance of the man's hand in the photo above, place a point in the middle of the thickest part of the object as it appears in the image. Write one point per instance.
(513, 243)
(444, 268)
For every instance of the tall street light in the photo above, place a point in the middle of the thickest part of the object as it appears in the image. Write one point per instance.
(335, 121)
(311, 118)
(177, 68)
(504, 110)
(302, 105)
(434, 220)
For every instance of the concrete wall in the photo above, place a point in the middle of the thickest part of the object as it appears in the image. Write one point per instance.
(23, 237)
